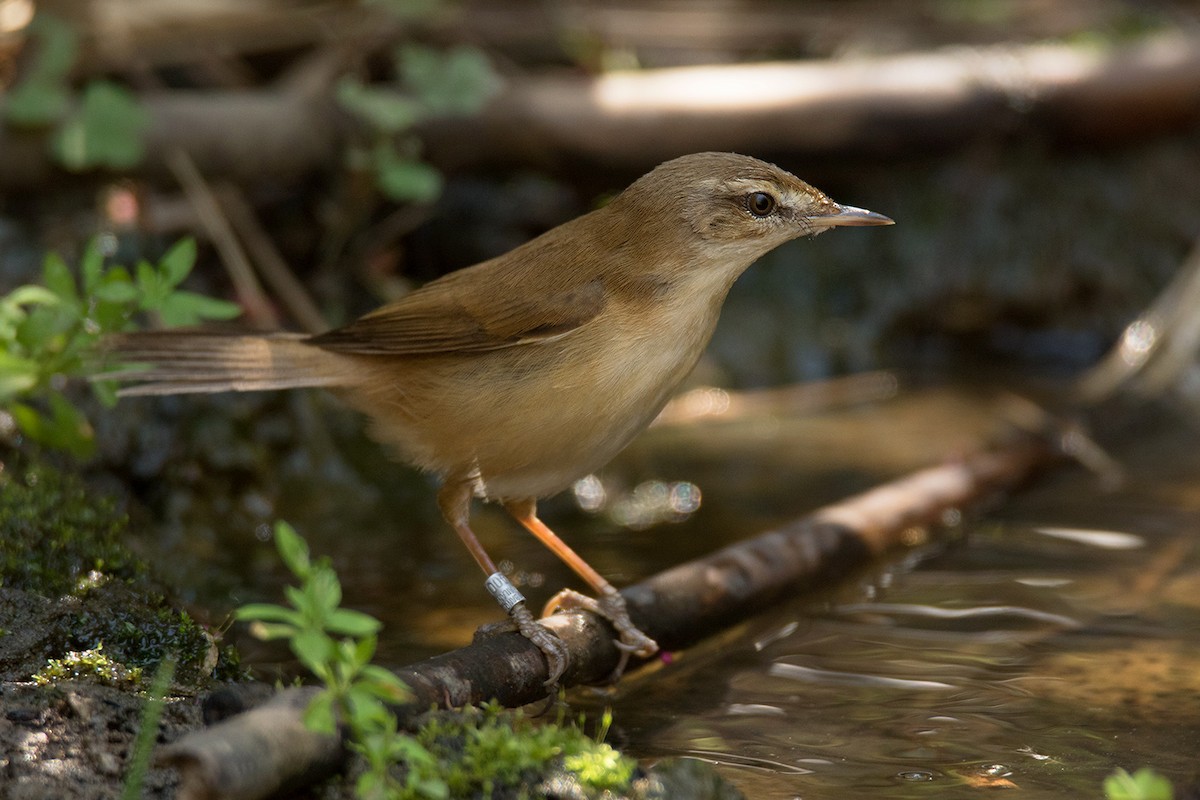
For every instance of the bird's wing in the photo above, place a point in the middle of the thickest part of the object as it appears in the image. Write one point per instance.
(467, 316)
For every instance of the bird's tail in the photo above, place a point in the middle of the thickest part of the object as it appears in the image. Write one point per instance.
(181, 362)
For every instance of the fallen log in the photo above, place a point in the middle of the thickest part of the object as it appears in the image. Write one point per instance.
(905, 104)
(244, 756)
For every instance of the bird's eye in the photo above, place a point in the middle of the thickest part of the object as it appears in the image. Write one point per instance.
(760, 204)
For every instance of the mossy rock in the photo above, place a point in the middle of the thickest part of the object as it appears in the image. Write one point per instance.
(54, 533)
(68, 583)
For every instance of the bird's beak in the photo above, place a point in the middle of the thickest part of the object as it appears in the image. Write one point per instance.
(841, 215)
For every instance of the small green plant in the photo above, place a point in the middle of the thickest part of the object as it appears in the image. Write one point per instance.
(48, 332)
(432, 83)
(102, 127)
(93, 665)
(1145, 784)
(143, 744)
(105, 131)
(474, 752)
(482, 752)
(43, 97)
(336, 644)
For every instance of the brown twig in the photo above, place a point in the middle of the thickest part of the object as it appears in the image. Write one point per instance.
(249, 292)
(271, 265)
(678, 608)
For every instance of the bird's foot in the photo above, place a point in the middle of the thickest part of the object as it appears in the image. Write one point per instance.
(558, 657)
(611, 606)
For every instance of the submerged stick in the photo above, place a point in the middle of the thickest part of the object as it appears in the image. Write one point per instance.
(1157, 347)
(256, 753)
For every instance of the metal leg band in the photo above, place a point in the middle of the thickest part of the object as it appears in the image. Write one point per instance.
(501, 588)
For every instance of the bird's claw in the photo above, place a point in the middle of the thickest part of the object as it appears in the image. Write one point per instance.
(611, 606)
(558, 657)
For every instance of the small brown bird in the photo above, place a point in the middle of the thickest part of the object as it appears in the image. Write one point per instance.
(513, 378)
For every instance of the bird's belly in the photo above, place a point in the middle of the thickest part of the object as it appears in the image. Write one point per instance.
(528, 422)
(594, 410)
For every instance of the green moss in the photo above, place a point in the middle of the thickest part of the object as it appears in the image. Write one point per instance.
(61, 540)
(140, 628)
(54, 533)
(601, 767)
(491, 752)
(93, 665)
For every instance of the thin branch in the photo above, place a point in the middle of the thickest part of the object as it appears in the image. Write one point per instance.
(271, 265)
(249, 291)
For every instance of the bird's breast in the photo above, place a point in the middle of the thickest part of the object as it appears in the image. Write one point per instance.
(574, 414)
(530, 420)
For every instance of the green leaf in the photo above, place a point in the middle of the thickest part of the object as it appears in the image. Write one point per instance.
(72, 431)
(352, 623)
(42, 98)
(92, 266)
(28, 419)
(405, 179)
(109, 315)
(292, 549)
(364, 648)
(36, 103)
(117, 289)
(385, 110)
(189, 308)
(319, 716)
(364, 707)
(384, 684)
(65, 428)
(459, 81)
(38, 330)
(30, 295)
(268, 612)
(58, 279)
(17, 375)
(1145, 784)
(325, 592)
(316, 652)
(105, 132)
(150, 286)
(178, 261)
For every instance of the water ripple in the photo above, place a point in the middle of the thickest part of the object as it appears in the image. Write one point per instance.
(936, 612)
(858, 679)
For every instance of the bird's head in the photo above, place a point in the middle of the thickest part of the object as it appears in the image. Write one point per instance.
(736, 207)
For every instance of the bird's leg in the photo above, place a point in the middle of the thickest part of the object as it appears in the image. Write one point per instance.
(455, 502)
(610, 604)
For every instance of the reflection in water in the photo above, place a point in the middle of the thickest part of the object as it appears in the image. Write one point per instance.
(827, 677)
(935, 612)
(650, 503)
(1109, 540)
